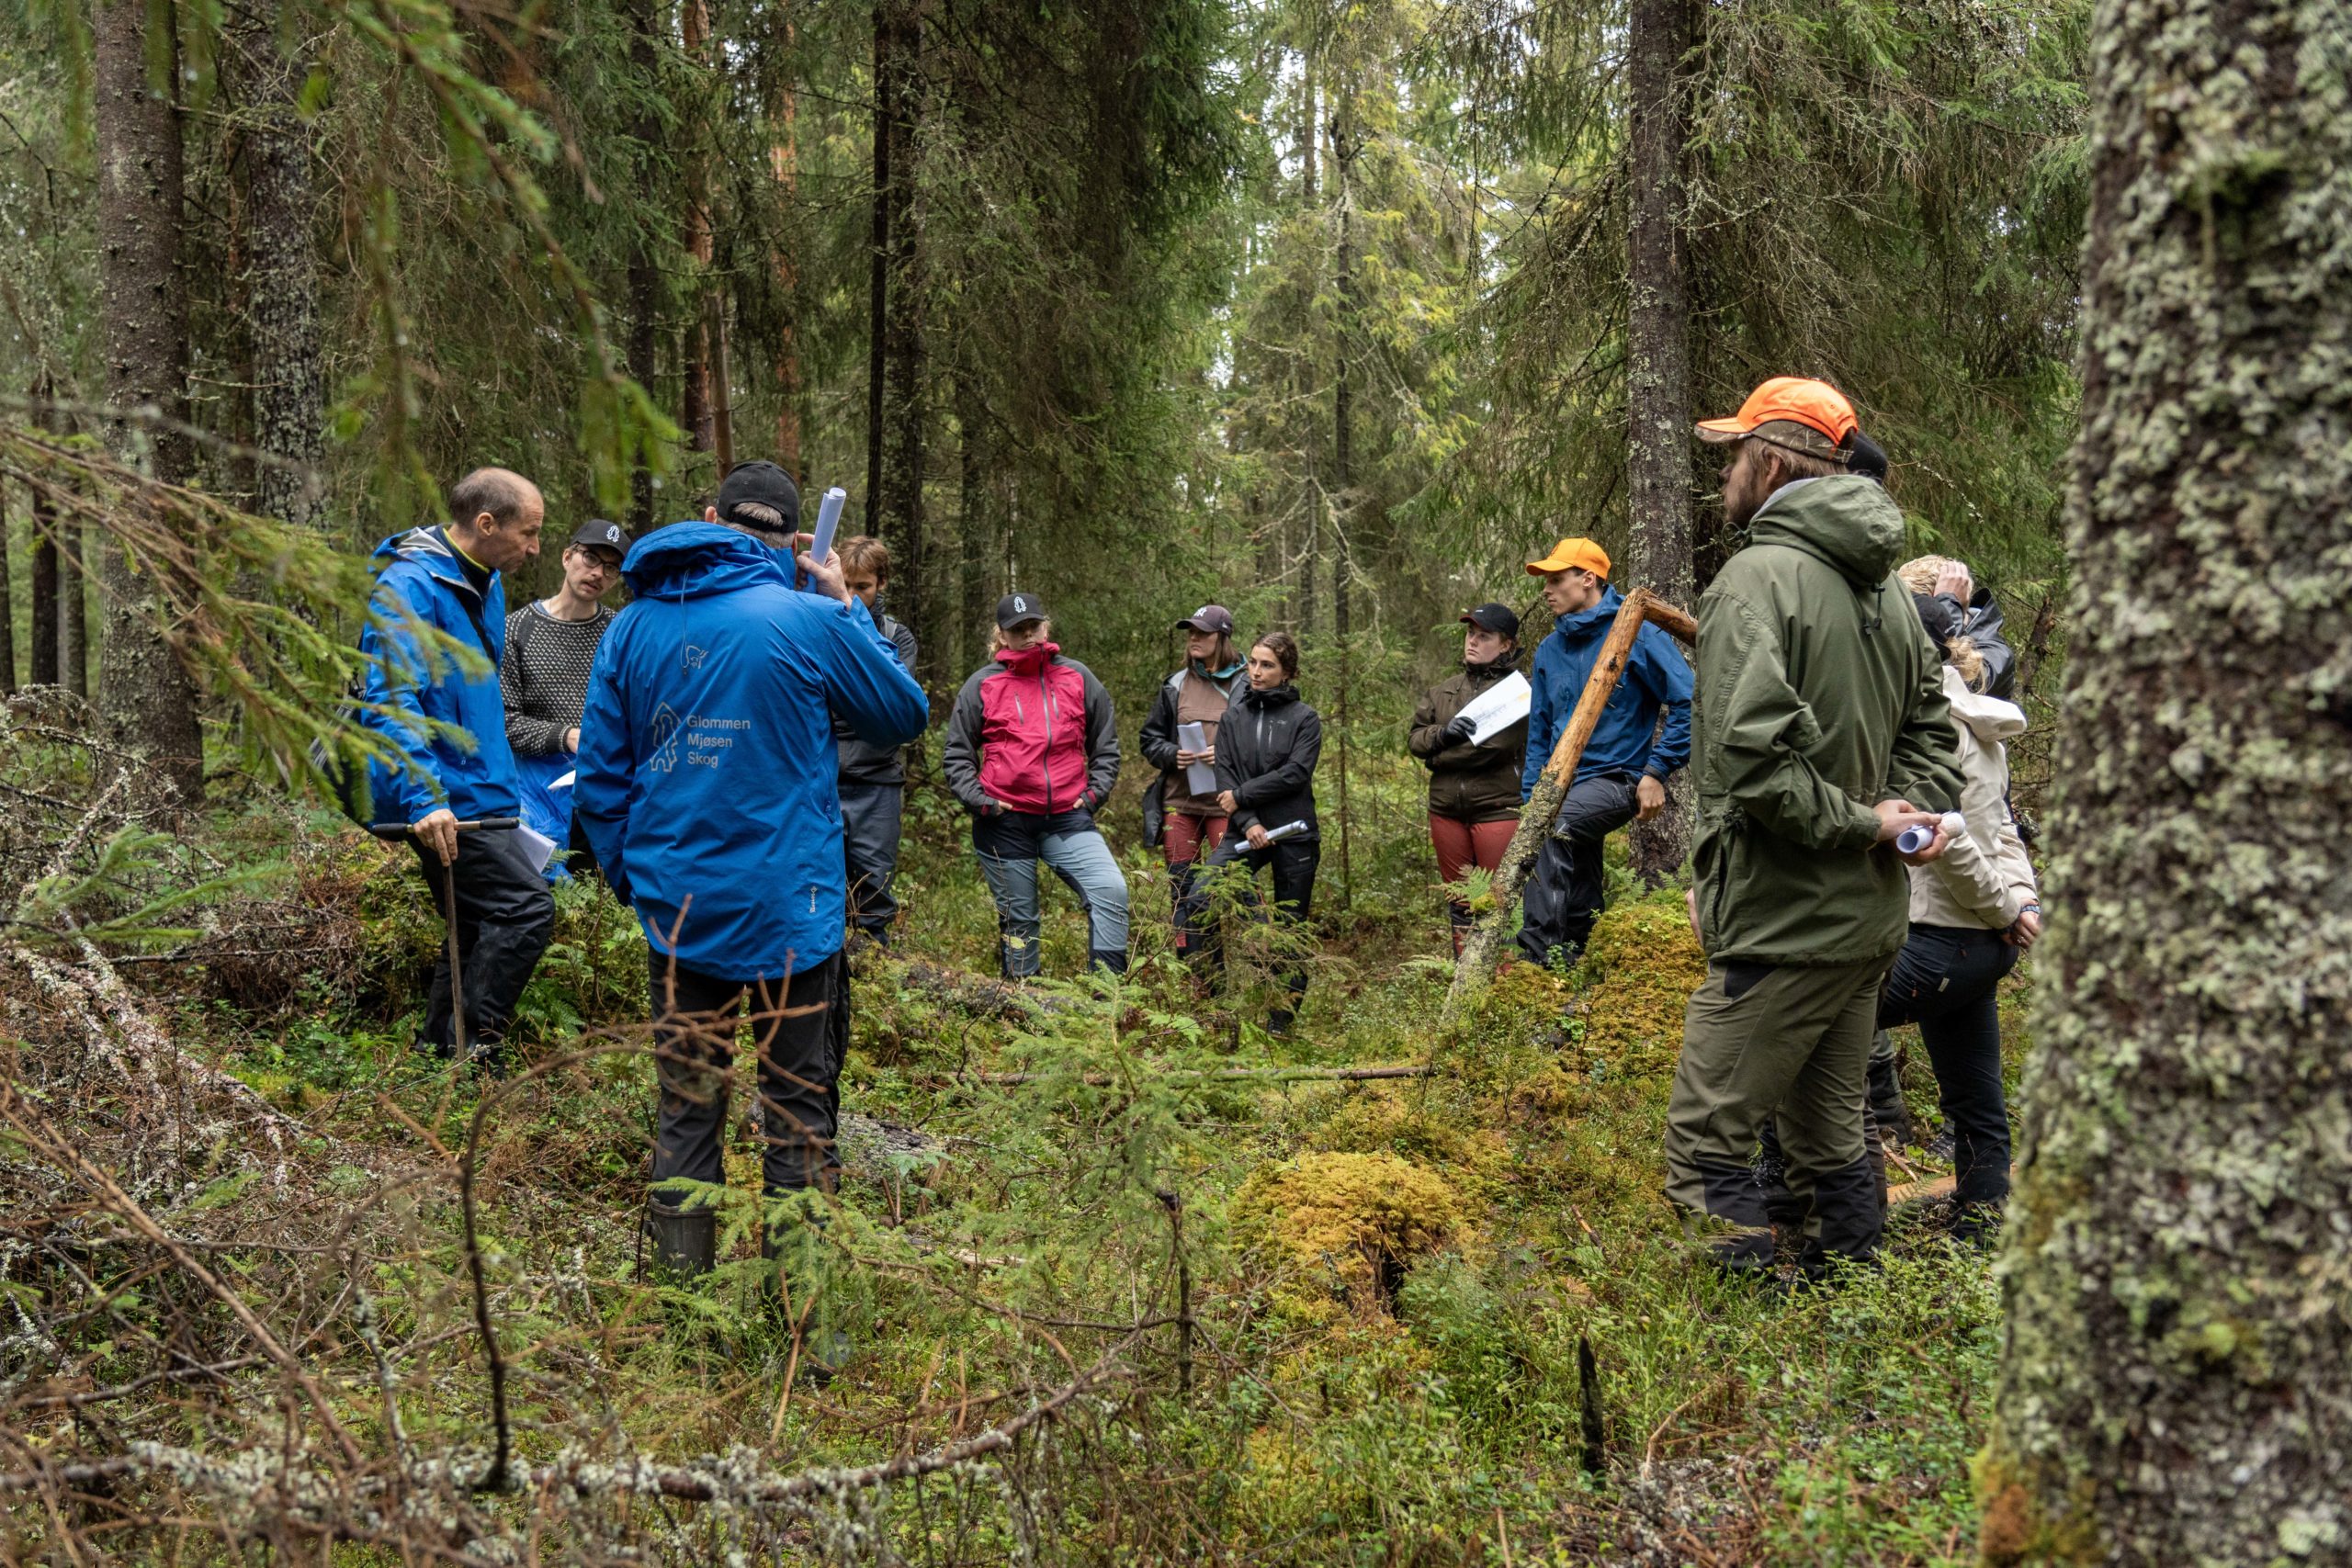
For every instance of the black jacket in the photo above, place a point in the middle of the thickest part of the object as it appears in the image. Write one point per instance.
(1469, 783)
(861, 763)
(1979, 622)
(1266, 750)
(1159, 743)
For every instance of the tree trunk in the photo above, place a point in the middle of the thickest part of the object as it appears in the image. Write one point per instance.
(7, 603)
(72, 614)
(145, 694)
(982, 527)
(644, 277)
(895, 454)
(43, 593)
(878, 287)
(2176, 1380)
(698, 406)
(1657, 326)
(1343, 456)
(281, 283)
(784, 163)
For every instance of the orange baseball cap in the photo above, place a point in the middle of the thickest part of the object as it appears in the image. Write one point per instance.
(1789, 411)
(1572, 552)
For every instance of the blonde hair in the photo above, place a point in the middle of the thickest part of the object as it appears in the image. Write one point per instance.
(1920, 576)
(996, 635)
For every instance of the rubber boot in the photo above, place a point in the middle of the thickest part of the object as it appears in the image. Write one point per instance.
(686, 1241)
(1887, 1101)
(1278, 1024)
(1111, 961)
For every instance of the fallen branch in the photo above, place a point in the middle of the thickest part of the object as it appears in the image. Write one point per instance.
(1220, 1075)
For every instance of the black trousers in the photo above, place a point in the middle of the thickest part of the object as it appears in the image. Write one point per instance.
(802, 1027)
(1293, 864)
(870, 830)
(1947, 980)
(505, 914)
(583, 859)
(1566, 893)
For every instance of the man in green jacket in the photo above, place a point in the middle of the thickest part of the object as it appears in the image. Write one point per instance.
(1822, 736)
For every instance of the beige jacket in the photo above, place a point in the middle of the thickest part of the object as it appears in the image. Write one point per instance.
(1985, 879)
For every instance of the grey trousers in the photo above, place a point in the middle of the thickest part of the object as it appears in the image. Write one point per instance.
(1789, 1046)
(870, 828)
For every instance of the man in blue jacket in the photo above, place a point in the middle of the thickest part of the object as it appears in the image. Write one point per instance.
(448, 719)
(707, 787)
(1622, 776)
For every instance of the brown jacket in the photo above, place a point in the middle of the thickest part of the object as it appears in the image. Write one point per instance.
(1469, 783)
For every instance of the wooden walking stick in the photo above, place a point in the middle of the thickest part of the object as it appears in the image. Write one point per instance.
(1477, 964)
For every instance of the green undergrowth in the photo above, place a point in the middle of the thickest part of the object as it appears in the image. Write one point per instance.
(1394, 1287)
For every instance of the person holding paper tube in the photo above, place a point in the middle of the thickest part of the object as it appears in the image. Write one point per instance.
(450, 722)
(1180, 810)
(1473, 783)
(707, 785)
(1032, 751)
(1267, 749)
(1643, 737)
(550, 647)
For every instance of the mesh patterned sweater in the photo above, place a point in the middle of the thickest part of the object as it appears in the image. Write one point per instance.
(544, 676)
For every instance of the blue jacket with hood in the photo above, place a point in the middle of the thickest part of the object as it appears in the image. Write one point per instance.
(707, 751)
(1656, 676)
(472, 774)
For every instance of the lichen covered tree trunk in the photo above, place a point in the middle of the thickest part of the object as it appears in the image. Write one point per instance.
(282, 289)
(2176, 1382)
(144, 693)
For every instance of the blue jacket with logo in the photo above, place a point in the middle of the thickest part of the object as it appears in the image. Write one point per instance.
(472, 774)
(1656, 676)
(707, 751)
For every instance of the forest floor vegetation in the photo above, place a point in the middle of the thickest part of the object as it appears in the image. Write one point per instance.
(254, 1241)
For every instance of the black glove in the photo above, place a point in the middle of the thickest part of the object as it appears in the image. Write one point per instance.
(1458, 732)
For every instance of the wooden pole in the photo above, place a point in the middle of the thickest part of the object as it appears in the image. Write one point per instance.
(1477, 960)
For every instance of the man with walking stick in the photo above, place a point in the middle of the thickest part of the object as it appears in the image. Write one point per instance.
(448, 719)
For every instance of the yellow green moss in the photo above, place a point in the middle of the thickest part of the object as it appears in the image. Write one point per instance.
(1347, 1224)
(1639, 970)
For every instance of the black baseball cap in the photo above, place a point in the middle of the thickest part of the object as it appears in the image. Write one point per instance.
(1496, 618)
(1865, 456)
(760, 495)
(1215, 619)
(1014, 609)
(601, 533)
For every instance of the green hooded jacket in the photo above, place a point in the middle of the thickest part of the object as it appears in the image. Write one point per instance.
(1819, 697)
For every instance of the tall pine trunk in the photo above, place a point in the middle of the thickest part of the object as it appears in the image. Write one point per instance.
(982, 528)
(281, 283)
(42, 594)
(2176, 1380)
(74, 613)
(644, 282)
(1657, 327)
(1344, 452)
(784, 165)
(895, 366)
(7, 603)
(144, 693)
(700, 406)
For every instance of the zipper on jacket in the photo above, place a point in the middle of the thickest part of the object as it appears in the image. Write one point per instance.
(1046, 758)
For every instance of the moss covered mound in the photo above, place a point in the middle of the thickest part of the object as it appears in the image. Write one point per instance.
(1347, 1225)
(1638, 972)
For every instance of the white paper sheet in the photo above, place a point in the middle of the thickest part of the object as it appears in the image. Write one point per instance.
(1498, 707)
(1199, 777)
(537, 845)
(567, 781)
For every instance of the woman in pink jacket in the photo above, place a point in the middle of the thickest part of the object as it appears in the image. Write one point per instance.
(1032, 752)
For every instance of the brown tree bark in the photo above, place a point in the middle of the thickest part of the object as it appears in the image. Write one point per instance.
(281, 280)
(42, 591)
(895, 393)
(2175, 1383)
(1658, 349)
(7, 603)
(1343, 455)
(144, 693)
(700, 406)
(73, 614)
(981, 525)
(644, 282)
(783, 164)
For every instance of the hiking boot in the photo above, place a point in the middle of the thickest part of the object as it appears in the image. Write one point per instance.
(686, 1241)
(1943, 1147)
(1278, 1024)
